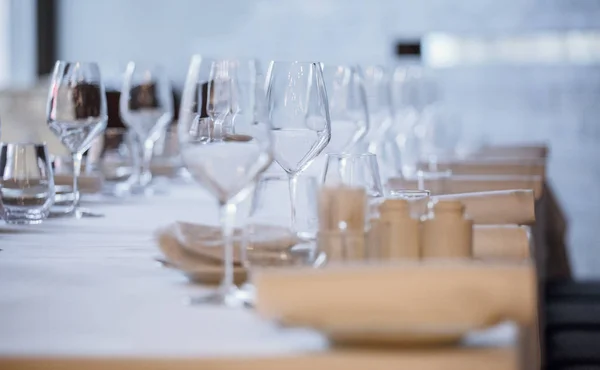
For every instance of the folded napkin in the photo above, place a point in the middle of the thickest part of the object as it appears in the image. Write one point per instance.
(207, 242)
(196, 268)
(457, 184)
(88, 183)
(498, 207)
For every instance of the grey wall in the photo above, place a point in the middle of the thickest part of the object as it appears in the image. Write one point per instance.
(558, 104)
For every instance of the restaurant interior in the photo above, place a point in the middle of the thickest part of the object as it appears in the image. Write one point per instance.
(299, 184)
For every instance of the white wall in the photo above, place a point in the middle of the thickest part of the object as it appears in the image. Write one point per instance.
(554, 103)
(17, 43)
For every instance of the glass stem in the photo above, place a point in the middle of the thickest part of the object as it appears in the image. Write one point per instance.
(147, 160)
(227, 215)
(293, 183)
(77, 157)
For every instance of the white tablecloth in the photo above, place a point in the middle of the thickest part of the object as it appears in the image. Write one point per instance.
(90, 287)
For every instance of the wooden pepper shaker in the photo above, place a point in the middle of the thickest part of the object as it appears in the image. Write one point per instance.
(446, 231)
(399, 231)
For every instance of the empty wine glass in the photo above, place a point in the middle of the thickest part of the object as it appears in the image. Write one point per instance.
(299, 113)
(227, 150)
(26, 183)
(76, 113)
(146, 107)
(380, 138)
(347, 107)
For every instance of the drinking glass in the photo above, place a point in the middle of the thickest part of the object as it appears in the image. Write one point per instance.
(299, 113)
(271, 204)
(380, 138)
(268, 240)
(226, 151)
(115, 156)
(356, 170)
(26, 183)
(347, 107)
(146, 107)
(76, 113)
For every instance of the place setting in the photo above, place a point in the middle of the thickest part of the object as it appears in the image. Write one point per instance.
(328, 219)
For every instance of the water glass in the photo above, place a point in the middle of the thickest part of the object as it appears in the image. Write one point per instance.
(272, 202)
(117, 160)
(355, 170)
(26, 183)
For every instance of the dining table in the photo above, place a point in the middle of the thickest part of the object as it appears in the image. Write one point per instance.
(89, 294)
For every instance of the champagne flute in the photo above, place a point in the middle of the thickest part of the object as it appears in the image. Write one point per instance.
(76, 113)
(299, 113)
(227, 149)
(146, 107)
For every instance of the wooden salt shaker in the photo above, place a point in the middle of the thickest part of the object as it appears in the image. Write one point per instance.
(399, 231)
(446, 231)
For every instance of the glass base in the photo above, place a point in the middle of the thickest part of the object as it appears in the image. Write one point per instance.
(28, 217)
(233, 298)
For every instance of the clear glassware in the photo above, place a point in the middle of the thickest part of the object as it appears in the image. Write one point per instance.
(27, 183)
(380, 139)
(226, 151)
(271, 204)
(356, 170)
(347, 108)
(115, 157)
(166, 161)
(76, 114)
(299, 114)
(146, 107)
(268, 239)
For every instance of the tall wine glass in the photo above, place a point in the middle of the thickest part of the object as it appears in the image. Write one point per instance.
(380, 138)
(228, 147)
(347, 107)
(76, 113)
(299, 113)
(146, 107)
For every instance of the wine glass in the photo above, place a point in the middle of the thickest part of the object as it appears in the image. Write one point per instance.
(146, 107)
(299, 113)
(380, 139)
(76, 113)
(226, 149)
(347, 107)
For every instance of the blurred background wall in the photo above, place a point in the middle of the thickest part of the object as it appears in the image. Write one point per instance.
(514, 70)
